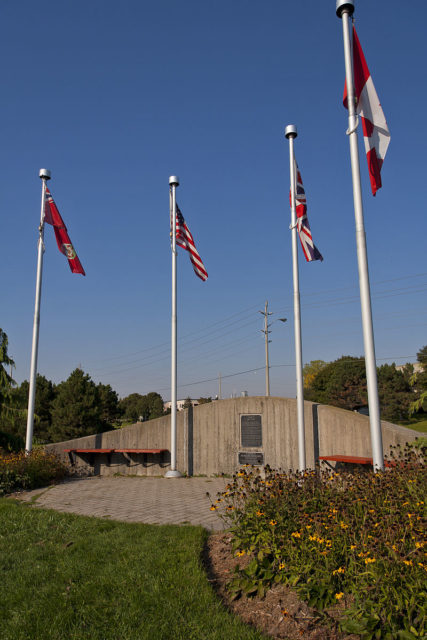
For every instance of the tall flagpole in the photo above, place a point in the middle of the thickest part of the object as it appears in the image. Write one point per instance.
(44, 175)
(173, 472)
(291, 133)
(344, 10)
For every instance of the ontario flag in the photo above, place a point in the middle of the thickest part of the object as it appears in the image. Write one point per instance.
(185, 240)
(309, 249)
(53, 217)
(375, 130)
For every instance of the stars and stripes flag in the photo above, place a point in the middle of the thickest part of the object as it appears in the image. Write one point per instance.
(308, 247)
(53, 217)
(185, 240)
(376, 134)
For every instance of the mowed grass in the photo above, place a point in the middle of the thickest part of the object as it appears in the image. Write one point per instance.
(70, 577)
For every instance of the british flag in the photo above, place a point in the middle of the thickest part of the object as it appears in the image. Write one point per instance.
(185, 240)
(308, 247)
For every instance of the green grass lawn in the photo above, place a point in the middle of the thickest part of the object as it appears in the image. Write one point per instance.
(69, 577)
(417, 424)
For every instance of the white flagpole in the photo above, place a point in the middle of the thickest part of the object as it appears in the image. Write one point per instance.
(44, 175)
(291, 133)
(173, 472)
(344, 10)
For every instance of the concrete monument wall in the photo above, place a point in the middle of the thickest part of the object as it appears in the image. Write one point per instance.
(220, 436)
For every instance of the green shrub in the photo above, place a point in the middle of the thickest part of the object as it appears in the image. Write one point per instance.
(19, 471)
(358, 538)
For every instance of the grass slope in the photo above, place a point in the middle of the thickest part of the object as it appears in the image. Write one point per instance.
(71, 577)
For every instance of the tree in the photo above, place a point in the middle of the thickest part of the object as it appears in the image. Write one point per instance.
(394, 391)
(135, 406)
(109, 401)
(204, 400)
(419, 380)
(311, 370)
(153, 406)
(132, 406)
(45, 395)
(341, 383)
(77, 409)
(6, 380)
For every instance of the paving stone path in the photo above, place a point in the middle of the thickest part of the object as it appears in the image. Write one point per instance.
(140, 499)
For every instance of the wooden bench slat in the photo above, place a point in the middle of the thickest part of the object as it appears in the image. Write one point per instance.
(140, 450)
(88, 450)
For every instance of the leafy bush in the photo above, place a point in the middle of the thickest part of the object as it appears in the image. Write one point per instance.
(20, 471)
(353, 538)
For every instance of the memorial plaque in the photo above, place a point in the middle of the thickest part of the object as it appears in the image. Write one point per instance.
(251, 457)
(251, 430)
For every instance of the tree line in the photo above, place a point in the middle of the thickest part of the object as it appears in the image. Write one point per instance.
(342, 383)
(78, 406)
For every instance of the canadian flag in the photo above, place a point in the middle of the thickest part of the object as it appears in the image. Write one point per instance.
(375, 130)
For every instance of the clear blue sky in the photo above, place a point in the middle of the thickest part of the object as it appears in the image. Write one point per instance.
(113, 98)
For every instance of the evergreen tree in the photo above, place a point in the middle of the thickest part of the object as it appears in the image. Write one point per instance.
(77, 409)
(110, 409)
(6, 380)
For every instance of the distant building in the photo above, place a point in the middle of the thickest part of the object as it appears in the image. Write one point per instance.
(417, 366)
(179, 404)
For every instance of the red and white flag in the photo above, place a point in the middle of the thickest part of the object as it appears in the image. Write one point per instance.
(53, 217)
(185, 240)
(375, 130)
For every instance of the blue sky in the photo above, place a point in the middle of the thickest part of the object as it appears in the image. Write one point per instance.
(113, 98)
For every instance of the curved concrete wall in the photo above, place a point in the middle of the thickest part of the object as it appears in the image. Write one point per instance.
(209, 438)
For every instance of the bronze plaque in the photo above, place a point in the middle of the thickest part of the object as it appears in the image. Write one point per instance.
(251, 430)
(255, 458)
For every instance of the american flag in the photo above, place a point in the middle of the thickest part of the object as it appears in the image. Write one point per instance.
(309, 248)
(185, 240)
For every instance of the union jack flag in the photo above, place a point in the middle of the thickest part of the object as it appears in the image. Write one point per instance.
(308, 247)
(185, 240)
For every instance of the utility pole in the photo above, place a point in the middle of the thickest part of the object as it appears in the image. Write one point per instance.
(265, 331)
(219, 386)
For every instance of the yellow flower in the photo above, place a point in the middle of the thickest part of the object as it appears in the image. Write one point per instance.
(343, 525)
(296, 534)
(339, 570)
(214, 508)
(273, 522)
(369, 560)
(339, 595)
(352, 547)
(408, 563)
(240, 553)
(260, 513)
(281, 566)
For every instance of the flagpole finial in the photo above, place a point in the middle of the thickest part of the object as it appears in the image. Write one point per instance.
(344, 5)
(291, 131)
(44, 174)
(174, 180)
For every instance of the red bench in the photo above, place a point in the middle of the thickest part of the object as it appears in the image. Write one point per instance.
(353, 460)
(108, 452)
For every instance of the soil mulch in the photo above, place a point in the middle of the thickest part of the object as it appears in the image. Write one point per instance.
(281, 614)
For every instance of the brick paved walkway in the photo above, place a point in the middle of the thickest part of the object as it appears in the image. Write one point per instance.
(149, 500)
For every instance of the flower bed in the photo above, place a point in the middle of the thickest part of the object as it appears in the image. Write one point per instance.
(19, 471)
(357, 538)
